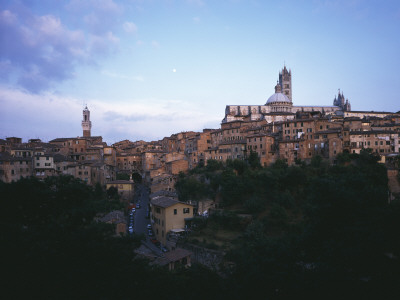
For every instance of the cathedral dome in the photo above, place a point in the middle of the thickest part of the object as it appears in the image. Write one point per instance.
(278, 98)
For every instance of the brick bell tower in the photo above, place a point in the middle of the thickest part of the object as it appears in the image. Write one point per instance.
(86, 123)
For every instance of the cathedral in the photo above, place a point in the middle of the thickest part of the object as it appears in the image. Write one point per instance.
(279, 107)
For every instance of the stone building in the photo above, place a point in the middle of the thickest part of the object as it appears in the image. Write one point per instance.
(279, 106)
(265, 147)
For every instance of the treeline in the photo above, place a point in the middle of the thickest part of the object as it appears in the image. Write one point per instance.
(52, 248)
(318, 230)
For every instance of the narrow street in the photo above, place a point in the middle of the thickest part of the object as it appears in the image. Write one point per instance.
(140, 224)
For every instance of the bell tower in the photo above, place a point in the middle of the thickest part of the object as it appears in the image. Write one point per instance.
(285, 81)
(86, 123)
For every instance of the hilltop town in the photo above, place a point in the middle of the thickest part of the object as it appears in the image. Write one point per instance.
(239, 200)
(275, 131)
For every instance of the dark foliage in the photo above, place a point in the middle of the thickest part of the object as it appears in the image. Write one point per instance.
(52, 249)
(329, 232)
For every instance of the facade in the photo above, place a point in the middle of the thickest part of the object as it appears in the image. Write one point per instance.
(279, 107)
(125, 189)
(169, 215)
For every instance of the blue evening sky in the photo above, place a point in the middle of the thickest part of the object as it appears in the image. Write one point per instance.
(150, 68)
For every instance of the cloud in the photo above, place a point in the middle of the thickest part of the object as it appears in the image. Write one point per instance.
(155, 44)
(130, 27)
(38, 51)
(49, 116)
(98, 16)
(196, 20)
(121, 76)
(103, 45)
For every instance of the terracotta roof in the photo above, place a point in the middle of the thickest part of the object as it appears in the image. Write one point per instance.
(373, 132)
(164, 201)
(120, 182)
(177, 254)
(333, 130)
(164, 193)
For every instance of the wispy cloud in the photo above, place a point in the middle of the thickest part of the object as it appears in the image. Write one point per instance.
(196, 20)
(121, 76)
(49, 116)
(130, 27)
(39, 50)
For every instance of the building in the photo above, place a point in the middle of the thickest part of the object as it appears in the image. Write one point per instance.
(173, 259)
(86, 123)
(125, 189)
(279, 106)
(168, 215)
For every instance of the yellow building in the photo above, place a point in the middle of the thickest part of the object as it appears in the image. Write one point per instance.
(169, 215)
(125, 188)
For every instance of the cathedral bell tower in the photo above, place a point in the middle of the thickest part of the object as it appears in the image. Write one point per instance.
(86, 123)
(285, 81)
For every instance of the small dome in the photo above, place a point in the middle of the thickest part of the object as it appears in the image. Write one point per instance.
(278, 97)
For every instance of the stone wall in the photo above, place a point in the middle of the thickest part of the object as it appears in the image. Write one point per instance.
(207, 257)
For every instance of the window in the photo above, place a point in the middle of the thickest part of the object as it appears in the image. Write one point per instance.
(175, 211)
(158, 210)
(186, 210)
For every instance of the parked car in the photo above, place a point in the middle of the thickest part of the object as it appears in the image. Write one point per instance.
(137, 205)
(148, 226)
(163, 249)
(150, 232)
(155, 242)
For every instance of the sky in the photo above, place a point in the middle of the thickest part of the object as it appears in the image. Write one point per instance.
(149, 68)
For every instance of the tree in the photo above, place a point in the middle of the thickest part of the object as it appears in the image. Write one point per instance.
(254, 160)
(137, 178)
(122, 176)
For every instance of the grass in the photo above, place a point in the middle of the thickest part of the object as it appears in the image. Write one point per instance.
(218, 239)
